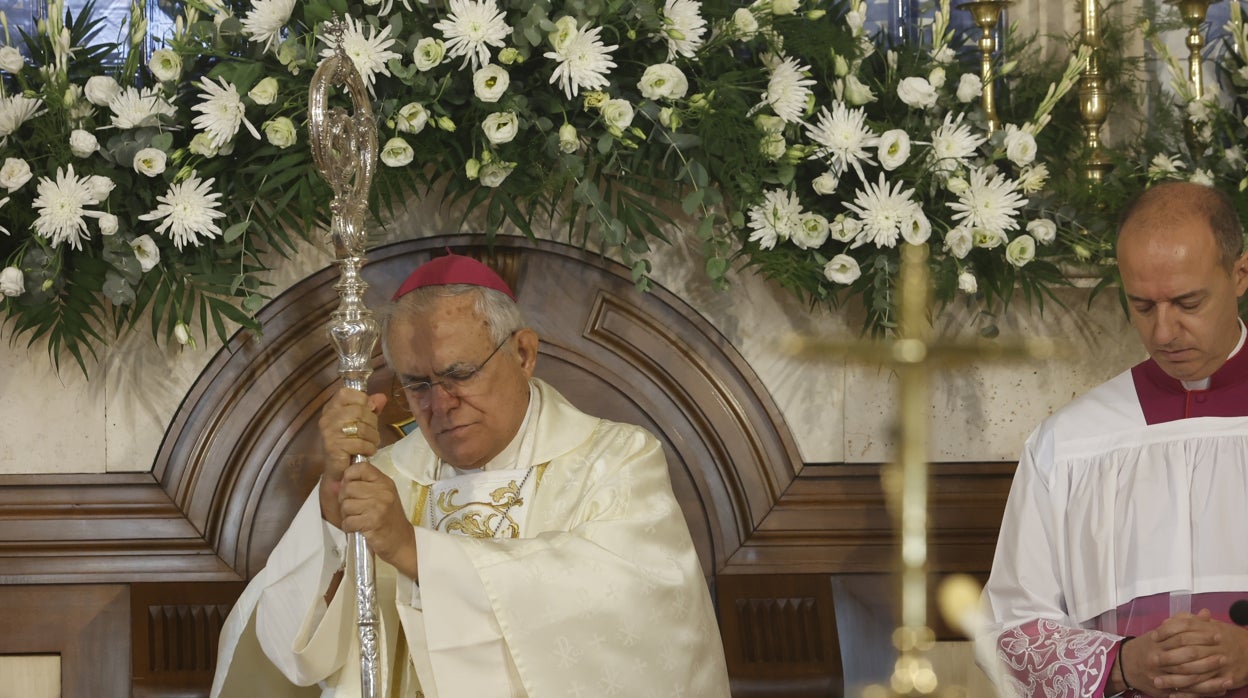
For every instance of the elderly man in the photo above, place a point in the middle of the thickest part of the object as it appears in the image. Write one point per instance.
(524, 547)
(1120, 551)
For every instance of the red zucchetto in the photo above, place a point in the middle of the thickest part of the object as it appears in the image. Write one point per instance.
(453, 269)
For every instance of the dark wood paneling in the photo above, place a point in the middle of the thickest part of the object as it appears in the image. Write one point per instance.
(174, 632)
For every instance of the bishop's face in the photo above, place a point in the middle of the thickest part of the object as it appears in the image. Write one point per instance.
(1183, 300)
(466, 421)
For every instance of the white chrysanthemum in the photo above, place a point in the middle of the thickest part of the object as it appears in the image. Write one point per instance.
(189, 210)
(952, 143)
(266, 20)
(778, 218)
(62, 206)
(989, 205)
(683, 27)
(369, 53)
(15, 111)
(843, 137)
(221, 111)
(884, 211)
(471, 28)
(583, 61)
(135, 108)
(788, 89)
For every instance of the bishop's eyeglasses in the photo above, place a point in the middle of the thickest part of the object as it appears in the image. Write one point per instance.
(456, 381)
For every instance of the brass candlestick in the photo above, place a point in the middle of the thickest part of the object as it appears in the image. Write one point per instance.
(987, 15)
(344, 147)
(1194, 13)
(1093, 105)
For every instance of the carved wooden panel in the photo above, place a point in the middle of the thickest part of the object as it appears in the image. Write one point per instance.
(174, 632)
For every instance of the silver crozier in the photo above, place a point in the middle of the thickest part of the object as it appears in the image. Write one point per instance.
(344, 147)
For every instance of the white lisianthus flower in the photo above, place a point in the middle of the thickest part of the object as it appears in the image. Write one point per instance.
(146, 251)
(166, 65)
(1021, 250)
(826, 183)
(471, 28)
(811, 232)
(82, 143)
(201, 144)
(957, 185)
(842, 269)
(781, 8)
(683, 27)
(12, 283)
(569, 142)
(189, 211)
(1020, 146)
(428, 53)
(918, 229)
(182, 335)
(844, 228)
(412, 118)
(265, 91)
(959, 241)
(565, 30)
(777, 218)
(944, 56)
(1043, 230)
(772, 146)
(494, 172)
(937, 77)
(967, 282)
(769, 124)
(101, 89)
(1033, 177)
(150, 161)
(893, 149)
(490, 82)
(663, 81)
(917, 93)
(988, 239)
(445, 123)
(280, 132)
(510, 56)
(668, 118)
(14, 173)
(11, 60)
(100, 186)
(856, 93)
(617, 113)
(970, 87)
(108, 224)
(501, 127)
(397, 153)
(472, 168)
(744, 23)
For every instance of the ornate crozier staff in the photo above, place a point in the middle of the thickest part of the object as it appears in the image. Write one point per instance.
(345, 150)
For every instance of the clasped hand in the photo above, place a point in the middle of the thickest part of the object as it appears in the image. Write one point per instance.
(357, 497)
(1188, 656)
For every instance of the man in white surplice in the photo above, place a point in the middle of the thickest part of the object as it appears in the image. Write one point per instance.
(1122, 545)
(524, 548)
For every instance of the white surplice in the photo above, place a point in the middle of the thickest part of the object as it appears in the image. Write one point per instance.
(599, 593)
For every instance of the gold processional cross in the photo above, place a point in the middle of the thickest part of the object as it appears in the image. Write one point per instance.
(913, 355)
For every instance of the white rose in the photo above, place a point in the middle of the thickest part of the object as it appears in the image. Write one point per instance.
(937, 77)
(1043, 230)
(150, 161)
(1020, 146)
(501, 127)
(917, 93)
(280, 132)
(970, 87)
(663, 81)
(959, 241)
(894, 149)
(11, 61)
(811, 232)
(82, 143)
(412, 118)
(843, 228)
(1021, 250)
(146, 251)
(617, 113)
(745, 23)
(842, 269)
(265, 91)
(108, 224)
(101, 90)
(396, 152)
(967, 282)
(569, 142)
(12, 283)
(100, 187)
(166, 65)
(202, 144)
(826, 183)
(428, 53)
(856, 93)
(493, 173)
(772, 146)
(918, 229)
(14, 173)
(490, 82)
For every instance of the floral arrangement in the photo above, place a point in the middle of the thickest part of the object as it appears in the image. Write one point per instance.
(796, 143)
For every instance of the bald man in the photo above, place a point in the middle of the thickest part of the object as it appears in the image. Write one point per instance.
(1122, 546)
